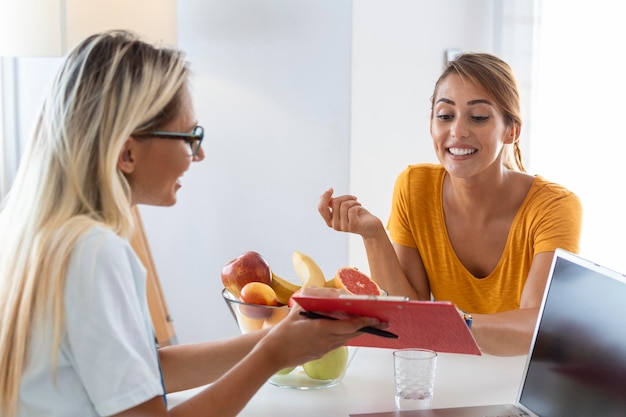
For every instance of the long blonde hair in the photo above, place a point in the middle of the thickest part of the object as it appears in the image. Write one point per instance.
(495, 77)
(110, 85)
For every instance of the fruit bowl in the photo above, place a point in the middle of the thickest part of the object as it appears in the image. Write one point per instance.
(251, 317)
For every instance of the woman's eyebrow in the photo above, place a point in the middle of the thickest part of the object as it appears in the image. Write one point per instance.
(480, 101)
(469, 103)
(445, 100)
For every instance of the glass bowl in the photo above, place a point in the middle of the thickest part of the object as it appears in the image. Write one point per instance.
(251, 317)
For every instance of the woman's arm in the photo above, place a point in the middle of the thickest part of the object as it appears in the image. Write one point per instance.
(510, 333)
(186, 366)
(228, 395)
(397, 277)
(507, 333)
(245, 363)
(397, 269)
(293, 341)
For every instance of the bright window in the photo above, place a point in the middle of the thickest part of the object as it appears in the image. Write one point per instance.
(578, 110)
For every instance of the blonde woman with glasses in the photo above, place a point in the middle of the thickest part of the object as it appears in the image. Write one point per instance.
(117, 129)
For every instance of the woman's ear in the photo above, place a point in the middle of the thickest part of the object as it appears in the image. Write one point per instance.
(126, 160)
(514, 132)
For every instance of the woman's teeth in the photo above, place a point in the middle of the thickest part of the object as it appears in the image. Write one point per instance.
(461, 151)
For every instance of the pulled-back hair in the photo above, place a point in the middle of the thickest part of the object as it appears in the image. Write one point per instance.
(495, 77)
(110, 85)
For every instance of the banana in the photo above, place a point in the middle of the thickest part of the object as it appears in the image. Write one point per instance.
(331, 283)
(307, 270)
(283, 288)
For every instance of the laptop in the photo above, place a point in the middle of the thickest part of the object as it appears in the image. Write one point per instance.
(577, 361)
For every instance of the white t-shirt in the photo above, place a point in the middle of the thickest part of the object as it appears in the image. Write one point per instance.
(108, 360)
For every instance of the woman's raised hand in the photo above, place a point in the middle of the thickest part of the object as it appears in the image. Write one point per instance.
(345, 213)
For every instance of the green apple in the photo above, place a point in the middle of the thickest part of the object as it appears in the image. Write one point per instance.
(285, 371)
(329, 366)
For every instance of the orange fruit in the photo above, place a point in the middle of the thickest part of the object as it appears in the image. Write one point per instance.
(355, 282)
(277, 315)
(248, 324)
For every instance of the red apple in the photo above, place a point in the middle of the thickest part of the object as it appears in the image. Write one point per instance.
(248, 267)
(257, 296)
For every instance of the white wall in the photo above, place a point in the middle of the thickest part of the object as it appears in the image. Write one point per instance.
(578, 114)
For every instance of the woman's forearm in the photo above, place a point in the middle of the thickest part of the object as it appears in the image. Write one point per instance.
(190, 366)
(505, 334)
(229, 394)
(384, 266)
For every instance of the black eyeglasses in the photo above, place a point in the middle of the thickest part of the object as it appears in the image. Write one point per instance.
(194, 139)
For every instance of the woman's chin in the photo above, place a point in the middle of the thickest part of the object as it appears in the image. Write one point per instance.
(158, 202)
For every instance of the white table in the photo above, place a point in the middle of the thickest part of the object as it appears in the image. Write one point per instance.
(368, 387)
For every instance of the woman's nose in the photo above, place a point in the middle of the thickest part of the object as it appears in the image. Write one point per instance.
(200, 155)
(459, 129)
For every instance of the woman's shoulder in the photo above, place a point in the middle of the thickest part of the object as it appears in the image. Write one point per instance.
(423, 172)
(99, 250)
(98, 241)
(542, 185)
(544, 191)
(417, 181)
(99, 233)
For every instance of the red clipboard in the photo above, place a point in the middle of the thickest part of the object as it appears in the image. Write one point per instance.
(434, 325)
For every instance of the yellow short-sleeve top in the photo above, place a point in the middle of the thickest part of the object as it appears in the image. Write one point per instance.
(550, 217)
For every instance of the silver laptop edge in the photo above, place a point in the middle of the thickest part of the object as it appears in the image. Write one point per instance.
(573, 258)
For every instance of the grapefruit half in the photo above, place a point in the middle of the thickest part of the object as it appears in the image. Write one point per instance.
(355, 282)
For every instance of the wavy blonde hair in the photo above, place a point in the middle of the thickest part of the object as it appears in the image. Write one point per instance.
(109, 86)
(495, 77)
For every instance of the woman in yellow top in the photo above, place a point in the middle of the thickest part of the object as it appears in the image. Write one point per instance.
(476, 230)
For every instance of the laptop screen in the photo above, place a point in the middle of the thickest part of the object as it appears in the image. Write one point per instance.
(578, 363)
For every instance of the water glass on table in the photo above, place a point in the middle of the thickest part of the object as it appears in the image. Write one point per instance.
(414, 371)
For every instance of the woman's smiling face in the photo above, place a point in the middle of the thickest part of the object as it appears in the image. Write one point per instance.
(159, 164)
(468, 128)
